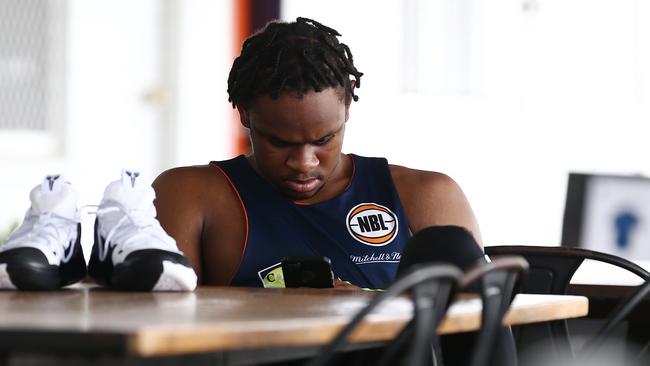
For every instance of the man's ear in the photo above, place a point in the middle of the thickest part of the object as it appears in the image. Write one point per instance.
(348, 96)
(243, 116)
(347, 112)
(348, 100)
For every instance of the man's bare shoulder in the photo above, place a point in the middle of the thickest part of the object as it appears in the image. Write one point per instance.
(188, 177)
(433, 198)
(192, 183)
(421, 180)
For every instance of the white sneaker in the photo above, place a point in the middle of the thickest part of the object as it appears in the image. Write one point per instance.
(131, 249)
(44, 252)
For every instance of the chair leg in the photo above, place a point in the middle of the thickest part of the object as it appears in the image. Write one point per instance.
(560, 334)
(543, 338)
(505, 352)
(638, 342)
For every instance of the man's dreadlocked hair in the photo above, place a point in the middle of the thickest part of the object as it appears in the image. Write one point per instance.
(295, 57)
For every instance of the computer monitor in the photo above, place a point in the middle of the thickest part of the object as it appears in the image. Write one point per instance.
(608, 213)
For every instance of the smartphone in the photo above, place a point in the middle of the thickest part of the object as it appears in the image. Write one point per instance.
(308, 272)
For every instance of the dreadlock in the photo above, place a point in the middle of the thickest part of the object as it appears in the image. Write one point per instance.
(295, 57)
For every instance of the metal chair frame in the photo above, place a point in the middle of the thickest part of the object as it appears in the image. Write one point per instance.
(550, 272)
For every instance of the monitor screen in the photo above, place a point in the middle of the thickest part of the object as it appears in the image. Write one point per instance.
(609, 214)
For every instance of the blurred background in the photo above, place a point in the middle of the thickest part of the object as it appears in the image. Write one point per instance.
(505, 96)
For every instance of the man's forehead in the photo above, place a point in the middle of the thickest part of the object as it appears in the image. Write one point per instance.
(337, 94)
(310, 111)
(299, 133)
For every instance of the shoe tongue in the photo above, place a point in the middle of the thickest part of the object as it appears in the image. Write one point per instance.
(131, 191)
(54, 195)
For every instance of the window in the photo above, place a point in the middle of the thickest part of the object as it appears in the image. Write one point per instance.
(32, 52)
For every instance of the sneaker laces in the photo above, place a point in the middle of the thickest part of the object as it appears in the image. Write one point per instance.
(49, 229)
(142, 224)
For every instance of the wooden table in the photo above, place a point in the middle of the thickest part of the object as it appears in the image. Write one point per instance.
(221, 319)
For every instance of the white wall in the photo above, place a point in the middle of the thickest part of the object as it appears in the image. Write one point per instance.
(506, 97)
(552, 86)
(145, 88)
(111, 62)
(204, 120)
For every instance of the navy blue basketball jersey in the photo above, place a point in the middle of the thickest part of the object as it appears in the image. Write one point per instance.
(363, 230)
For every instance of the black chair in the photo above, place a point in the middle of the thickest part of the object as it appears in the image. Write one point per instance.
(431, 286)
(498, 279)
(550, 272)
(493, 344)
(497, 283)
(497, 288)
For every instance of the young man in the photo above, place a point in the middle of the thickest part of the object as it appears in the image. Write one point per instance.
(296, 193)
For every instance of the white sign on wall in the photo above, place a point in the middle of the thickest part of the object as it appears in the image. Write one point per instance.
(616, 216)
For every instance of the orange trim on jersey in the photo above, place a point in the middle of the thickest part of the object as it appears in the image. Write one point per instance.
(241, 202)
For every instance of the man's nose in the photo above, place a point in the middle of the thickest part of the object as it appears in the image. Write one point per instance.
(303, 159)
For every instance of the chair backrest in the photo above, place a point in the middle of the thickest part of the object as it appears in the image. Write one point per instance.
(550, 272)
(498, 279)
(551, 268)
(431, 287)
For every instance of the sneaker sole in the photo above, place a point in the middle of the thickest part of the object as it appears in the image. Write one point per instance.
(29, 277)
(149, 270)
(5, 279)
(175, 277)
(27, 269)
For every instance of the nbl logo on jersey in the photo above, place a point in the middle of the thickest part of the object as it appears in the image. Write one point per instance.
(372, 224)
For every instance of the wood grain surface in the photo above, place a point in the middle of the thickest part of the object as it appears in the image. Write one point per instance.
(229, 318)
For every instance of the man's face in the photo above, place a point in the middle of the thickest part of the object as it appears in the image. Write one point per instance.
(297, 142)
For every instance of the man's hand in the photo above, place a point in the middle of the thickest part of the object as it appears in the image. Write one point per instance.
(345, 285)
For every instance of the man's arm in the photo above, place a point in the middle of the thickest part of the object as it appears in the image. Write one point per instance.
(198, 207)
(180, 212)
(431, 198)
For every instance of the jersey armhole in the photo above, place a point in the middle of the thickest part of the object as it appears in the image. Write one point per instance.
(393, 187)
(241, 202)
